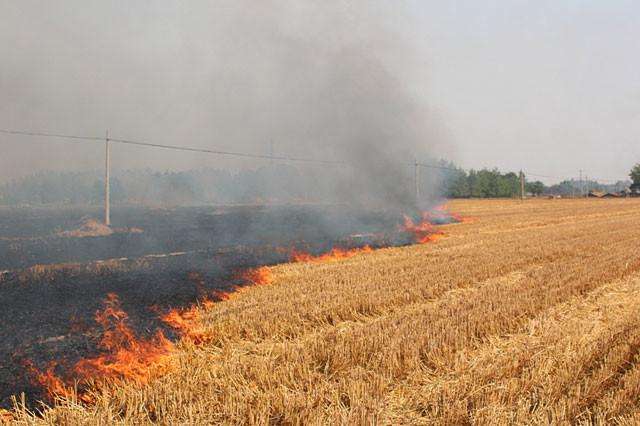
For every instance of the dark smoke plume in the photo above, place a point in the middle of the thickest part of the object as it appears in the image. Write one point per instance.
(321, 79)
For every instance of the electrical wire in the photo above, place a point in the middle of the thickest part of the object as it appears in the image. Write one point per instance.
(238, 154)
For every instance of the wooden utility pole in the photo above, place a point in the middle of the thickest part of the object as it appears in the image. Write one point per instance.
(271, 152)
(107, 189)
(521, 185)
(587, 186)
(581, 185)
(416, 178)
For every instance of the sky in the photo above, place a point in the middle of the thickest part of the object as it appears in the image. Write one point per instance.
(549, 87)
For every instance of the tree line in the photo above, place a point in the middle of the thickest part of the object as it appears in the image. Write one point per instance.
(492, 183)
(272, 183)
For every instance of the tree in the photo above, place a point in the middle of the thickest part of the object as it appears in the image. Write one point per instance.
(635, 175)
(508, 185)
(536, 188)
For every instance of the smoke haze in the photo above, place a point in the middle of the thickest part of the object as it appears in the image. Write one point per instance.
(326, 80)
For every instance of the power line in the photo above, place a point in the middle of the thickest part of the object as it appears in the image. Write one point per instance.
(228, 153)
(238, 154)
(543, 176)
(174, 147)
(432, 166)
(201, 150)
(612, 181)
(50, 135)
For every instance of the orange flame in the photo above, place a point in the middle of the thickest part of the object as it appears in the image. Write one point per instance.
(423, 232)
(48, 380)
(6, 415)
(224, 295)
(126, 357)
(441, 208)
(334, 254)
(462, 219)
(186, 321)
(257, 276)
(181, 320)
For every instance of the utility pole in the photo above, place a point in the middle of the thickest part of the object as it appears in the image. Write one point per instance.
(107, 189)
(581, 185)
(586, 184)
(416, 176)
(521, 185)
(271, 150)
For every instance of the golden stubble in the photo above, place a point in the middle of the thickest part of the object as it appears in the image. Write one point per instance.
(527, 315)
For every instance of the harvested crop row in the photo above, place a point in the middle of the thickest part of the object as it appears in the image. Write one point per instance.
(525, 315)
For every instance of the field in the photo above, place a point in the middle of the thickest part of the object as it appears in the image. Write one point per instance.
(59, 267)
(525, 314)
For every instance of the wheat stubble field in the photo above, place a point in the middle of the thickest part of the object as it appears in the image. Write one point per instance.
(529, 314)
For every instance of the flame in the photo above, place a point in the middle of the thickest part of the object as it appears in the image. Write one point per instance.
(257, 276)
(181, 320)
(187, 321)
(6, 415)
(334, 254)
(441, 207)
(462, 219)
(423, 232)
(224, 295)
(125, 357)
(443, 210)
(53, 385)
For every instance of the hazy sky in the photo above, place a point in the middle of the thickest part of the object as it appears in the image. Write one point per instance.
(550, 87)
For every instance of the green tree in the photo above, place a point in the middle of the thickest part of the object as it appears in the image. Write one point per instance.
(535, 188)
(635, 174)
(508, 185)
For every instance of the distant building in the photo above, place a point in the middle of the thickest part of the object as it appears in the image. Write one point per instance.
(601, 194)
(596, 194)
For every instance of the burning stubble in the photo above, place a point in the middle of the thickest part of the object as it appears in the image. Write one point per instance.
(124, 351)
(322, 80)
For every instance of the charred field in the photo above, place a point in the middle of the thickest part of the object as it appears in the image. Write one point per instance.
(75, 299)
(526, 314)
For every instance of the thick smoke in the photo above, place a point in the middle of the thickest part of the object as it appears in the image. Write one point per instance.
(325, 80)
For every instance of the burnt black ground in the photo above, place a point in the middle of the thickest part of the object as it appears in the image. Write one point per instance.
(28, 237)
(50, 317)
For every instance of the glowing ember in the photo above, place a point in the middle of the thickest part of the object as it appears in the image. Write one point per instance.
(5, 415)
(224, 295)
(198, 281)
